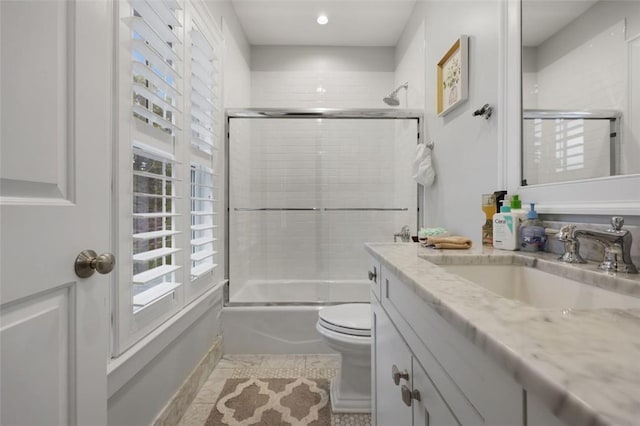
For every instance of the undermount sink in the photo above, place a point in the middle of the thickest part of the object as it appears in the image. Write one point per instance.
(541, 289)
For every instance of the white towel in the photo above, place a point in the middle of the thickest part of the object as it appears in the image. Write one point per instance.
(423, 171)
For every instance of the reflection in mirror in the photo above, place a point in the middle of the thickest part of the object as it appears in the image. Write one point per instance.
(580, 89)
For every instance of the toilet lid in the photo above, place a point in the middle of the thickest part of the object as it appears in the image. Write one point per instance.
(350, 318)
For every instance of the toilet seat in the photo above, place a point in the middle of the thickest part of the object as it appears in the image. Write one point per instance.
(352, 319)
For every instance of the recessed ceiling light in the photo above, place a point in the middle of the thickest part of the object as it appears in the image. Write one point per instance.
(322, 19)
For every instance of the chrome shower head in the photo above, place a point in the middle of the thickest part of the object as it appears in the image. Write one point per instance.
(392, 99)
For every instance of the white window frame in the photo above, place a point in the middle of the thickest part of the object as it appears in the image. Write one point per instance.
(129, 327)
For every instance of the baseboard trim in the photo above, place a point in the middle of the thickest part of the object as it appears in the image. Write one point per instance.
(173, 411)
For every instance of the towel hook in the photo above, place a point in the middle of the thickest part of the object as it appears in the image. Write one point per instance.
(484, 111)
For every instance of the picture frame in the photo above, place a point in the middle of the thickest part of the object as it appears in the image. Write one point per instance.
(453, 77)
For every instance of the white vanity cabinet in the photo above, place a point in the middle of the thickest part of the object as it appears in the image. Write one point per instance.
(403, 393)
(451, 381)
(388, 350)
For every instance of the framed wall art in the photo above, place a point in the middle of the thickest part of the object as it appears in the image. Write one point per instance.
(453, 76)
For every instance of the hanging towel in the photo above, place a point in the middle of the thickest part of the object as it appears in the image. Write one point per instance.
(455, 242)
(423, 172)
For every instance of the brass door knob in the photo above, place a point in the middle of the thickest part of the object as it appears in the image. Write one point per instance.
(88, 262)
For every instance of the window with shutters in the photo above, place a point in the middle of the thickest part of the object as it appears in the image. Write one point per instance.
(168, 138)
(204, 147)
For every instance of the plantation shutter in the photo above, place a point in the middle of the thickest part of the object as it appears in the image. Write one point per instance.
(204, 150)
(155, 82)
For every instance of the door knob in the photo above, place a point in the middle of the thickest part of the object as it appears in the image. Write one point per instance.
(88, 261)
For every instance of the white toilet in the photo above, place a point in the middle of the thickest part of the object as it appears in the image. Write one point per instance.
(347, 330)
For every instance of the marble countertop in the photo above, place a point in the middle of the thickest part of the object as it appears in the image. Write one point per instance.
(584, 365)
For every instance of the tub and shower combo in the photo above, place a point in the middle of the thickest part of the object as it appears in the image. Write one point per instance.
(306, 189)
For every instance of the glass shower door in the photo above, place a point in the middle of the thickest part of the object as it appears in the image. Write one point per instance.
(305, 195)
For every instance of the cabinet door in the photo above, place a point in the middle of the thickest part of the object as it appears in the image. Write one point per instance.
(429, 409)
(388, 349)
(538, 414)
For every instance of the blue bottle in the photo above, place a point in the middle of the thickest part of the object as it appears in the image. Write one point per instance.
(532, 235)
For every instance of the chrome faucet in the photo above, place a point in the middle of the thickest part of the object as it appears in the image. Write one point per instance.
(571, 245)
(404, 234)
(616, 243)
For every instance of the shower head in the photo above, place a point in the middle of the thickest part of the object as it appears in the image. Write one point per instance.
(392, 99)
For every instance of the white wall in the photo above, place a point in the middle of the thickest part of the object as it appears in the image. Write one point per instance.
(410, 59)
(237, 80)
(465, 153)
(597, 19)
(141, 399)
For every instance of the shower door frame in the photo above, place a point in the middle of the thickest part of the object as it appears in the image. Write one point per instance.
(299, 113)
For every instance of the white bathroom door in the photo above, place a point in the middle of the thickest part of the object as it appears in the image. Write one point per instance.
(54, 203)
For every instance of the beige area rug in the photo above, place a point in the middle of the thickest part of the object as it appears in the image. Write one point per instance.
(272, 402)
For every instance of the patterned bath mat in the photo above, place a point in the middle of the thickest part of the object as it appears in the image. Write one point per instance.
(272, 402)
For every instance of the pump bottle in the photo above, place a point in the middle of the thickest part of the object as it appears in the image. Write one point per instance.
(532, 235)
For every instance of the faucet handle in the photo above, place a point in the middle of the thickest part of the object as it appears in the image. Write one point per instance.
(617, 222)
(566, 233)
(571, 245)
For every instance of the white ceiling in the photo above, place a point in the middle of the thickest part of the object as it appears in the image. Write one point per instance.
(543, 18)
(351, 22)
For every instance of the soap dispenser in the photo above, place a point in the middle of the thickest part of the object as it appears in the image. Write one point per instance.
(532, 235)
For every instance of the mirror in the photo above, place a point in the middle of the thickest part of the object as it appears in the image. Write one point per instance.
(580, 90)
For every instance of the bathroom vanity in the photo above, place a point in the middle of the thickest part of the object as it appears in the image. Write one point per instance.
(446, 350)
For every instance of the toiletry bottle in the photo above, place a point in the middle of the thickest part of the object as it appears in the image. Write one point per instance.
(519, 215)
(504, 230)
(532, 236)
(499, 197)
(489, 209)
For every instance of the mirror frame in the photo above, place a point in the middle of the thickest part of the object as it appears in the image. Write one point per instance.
(619, 195)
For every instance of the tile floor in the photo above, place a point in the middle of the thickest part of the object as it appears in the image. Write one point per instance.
(267, 366)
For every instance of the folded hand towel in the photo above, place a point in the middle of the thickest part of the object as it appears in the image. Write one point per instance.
(454, 242)
(423, 171)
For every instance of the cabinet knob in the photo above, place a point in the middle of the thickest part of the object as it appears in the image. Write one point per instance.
(398, 375)
(409, 395)
(373, 275)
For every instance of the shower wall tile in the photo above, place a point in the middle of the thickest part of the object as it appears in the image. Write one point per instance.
(359, 170)
(311, 163)
(313, 89)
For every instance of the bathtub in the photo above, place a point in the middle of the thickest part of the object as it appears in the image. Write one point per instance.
(279, 317)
